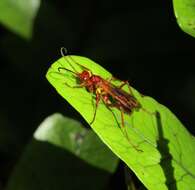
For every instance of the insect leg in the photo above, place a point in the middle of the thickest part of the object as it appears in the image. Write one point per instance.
(122, 84)
(125, 132)
(126, 83)
(108, 106)
(111, 78)
(122, 126)
(62, 75)
(97, 98)
(77, 86)
(55, 73)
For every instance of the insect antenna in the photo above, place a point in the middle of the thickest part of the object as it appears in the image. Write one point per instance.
(69, 56)
(63, 68)
(64, 52)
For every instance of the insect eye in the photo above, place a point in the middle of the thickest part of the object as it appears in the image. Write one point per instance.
(85, 75)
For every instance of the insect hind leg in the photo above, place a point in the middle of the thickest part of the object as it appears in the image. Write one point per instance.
(126, 134)
(128, 85)
(131, 92)
(123, 83)
(122, 125)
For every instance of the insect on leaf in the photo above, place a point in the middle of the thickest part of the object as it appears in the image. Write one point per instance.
(166, 156)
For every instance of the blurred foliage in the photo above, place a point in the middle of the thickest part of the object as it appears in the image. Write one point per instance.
(63, 155)
(19, 15)
(141, 43)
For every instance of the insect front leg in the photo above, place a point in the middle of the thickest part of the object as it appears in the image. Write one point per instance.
(97, 99)
(76, 86)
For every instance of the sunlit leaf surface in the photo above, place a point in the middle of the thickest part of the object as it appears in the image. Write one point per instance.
(166, 159)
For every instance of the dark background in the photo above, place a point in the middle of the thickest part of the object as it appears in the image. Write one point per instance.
(138, 41)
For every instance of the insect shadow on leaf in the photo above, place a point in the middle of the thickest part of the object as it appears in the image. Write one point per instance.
(166, 157)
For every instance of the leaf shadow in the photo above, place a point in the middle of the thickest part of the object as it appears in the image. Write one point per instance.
(166, 157)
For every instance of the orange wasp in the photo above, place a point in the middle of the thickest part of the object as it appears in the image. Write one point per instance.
(112, 96)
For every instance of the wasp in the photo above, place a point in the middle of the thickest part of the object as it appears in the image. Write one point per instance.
(112, 96)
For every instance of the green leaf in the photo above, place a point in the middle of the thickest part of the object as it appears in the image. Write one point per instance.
(63, 155)
(19, 15)
(185, 15)
(166, 159)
